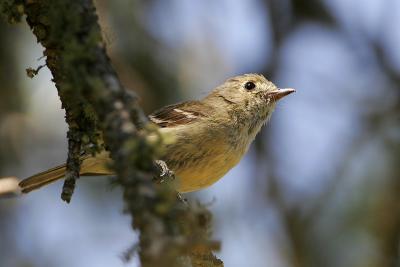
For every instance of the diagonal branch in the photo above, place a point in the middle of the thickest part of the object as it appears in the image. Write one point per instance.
(96, 102)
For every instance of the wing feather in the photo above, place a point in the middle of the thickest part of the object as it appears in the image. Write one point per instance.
(179, 114)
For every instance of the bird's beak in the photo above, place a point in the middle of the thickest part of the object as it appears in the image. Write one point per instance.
(278, 94)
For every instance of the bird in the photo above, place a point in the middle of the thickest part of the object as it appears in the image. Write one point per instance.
(208, 136)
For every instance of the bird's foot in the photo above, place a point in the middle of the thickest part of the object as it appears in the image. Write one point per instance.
(165, 174)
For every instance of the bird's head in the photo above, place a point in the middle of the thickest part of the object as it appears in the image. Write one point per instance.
(252, 93)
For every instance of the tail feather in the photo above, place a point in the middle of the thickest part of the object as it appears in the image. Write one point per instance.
(90, 166)
(41, 179)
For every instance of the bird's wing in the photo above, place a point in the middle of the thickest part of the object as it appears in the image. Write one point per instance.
(178, 114)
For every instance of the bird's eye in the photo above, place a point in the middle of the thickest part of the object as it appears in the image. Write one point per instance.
(249, 86)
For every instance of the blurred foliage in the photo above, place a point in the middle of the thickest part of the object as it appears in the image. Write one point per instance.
(378, 213)
(11, 125)
(11, 101)
(141, 60)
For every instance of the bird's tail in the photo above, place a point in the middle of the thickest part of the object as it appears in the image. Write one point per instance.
(41, 179)
(91, 166)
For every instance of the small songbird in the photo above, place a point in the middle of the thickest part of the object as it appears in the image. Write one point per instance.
(209, 136)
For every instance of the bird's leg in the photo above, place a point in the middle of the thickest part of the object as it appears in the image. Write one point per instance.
(165, 174)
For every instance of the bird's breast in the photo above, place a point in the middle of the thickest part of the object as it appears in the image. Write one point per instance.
(201, 159)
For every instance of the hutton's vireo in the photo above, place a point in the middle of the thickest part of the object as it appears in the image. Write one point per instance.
(209, 136)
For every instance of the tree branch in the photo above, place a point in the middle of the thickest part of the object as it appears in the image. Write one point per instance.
(96, 102)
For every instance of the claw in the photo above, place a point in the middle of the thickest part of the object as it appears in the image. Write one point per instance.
(164, 172)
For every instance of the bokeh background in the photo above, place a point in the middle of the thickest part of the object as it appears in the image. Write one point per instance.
(321, 184)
